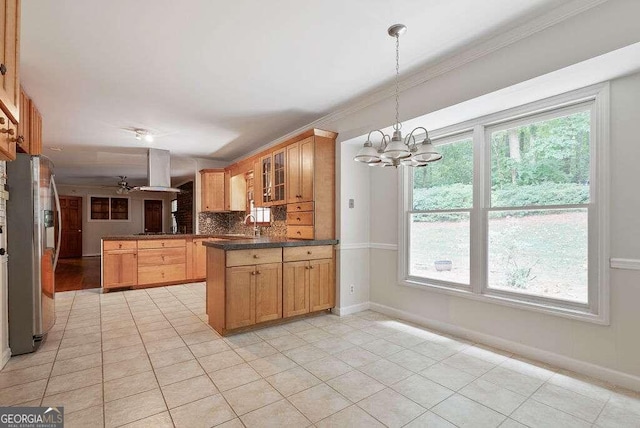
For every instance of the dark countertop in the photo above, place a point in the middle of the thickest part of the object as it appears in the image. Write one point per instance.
(266, 242)
(170, 236)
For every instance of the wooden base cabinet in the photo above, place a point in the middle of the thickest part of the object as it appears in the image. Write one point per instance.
(268, 280)
(288, 282)
(241, 297)
(322, 285)
(119, 268)
(254, 295)
(295, 288)
(308, 286)
(199, 259)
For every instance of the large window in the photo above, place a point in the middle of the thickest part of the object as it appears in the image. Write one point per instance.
(512, 212)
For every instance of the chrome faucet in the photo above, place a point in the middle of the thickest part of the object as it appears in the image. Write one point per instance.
(256, 229)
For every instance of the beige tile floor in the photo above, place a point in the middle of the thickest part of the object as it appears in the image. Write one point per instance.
(147, 358)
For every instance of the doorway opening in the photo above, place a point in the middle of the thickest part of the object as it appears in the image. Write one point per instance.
(152, 216)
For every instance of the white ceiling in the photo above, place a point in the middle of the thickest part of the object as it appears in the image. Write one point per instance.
(217, 79)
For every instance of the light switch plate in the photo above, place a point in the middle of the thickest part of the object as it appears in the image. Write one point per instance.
(351, 203)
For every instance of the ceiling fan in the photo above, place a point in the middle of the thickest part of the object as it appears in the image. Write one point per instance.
(123, 187)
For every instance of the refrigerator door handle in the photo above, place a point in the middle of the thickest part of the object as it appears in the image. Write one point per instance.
(57, 252)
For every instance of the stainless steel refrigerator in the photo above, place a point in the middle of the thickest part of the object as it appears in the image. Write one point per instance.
(33, 244)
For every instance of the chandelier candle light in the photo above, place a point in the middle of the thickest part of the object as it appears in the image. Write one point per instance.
(394, 151)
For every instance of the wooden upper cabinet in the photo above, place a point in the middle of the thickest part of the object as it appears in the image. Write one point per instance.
(35, 130)
(266, 179)
(272, 181)
(213, 190)
(220, 192)
(293, 173)
(23, 126)
(10, 58)
(300, 171)
(306, 169)
(257, 184)
(278, 189)
(29, 137)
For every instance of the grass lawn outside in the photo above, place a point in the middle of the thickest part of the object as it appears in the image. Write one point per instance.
(543, 255)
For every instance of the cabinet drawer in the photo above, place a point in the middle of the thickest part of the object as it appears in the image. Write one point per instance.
(294, 254)
(162, 256)
(254, 257)
(160, 274)
(300, 232)
(162, 243)
(301, 206)
(119, 245)
(300, 218)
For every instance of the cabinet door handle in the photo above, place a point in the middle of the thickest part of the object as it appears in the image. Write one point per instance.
(258, 272)
(299, 207)
(255, 256)
(297, 218)
(3, 69)
(310, 267)
(119, 245)
(309, 252)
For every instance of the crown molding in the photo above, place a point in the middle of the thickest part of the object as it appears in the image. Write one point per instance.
(509, 37)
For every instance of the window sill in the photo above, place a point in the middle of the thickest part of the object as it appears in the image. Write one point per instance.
(510, 302)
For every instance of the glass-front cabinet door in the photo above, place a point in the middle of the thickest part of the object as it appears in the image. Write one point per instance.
(278, 194)
(267, 179)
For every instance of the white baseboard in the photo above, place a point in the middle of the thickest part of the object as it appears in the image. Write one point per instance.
(5, 357)
(606, 374)
(348, 310)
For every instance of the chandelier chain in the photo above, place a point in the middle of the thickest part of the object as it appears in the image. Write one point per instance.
(397, 125)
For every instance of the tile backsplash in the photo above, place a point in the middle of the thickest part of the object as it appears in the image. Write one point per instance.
(223, 223)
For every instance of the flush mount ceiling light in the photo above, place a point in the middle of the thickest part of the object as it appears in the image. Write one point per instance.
(143, 134)
(414, 150)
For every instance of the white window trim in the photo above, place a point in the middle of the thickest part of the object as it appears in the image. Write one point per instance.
(109, 220)
(599, 310)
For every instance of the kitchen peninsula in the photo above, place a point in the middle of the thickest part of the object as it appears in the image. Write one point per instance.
(259, 281)
(138, 261)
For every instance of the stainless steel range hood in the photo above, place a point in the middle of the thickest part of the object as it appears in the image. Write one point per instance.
(158, 172)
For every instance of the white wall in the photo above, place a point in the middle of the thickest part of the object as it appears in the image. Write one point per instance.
(614, 347)
(611, 351)
(93, 231)
(353, 182)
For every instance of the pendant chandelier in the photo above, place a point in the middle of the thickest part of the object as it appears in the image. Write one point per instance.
(395, 150)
